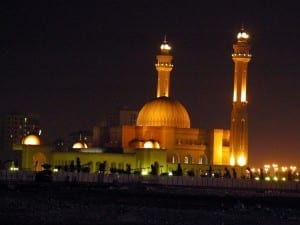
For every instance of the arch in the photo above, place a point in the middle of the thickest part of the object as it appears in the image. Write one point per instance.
(188, 159)
(202, 159)
(38, 159)
(175, 158)
(121, 166)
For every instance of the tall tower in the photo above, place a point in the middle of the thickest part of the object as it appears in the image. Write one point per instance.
(164, 67)
(239, 116)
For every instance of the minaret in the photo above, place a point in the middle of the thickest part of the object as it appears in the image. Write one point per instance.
(239, 116)
(164, 67)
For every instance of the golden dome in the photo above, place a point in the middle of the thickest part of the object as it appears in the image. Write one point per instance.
(151, 144)
(79, 145)
(163, 111)
(31, 140)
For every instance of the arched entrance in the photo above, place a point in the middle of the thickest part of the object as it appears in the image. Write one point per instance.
(188, 159)
(175, 158)
(202, 159)
(38, 159)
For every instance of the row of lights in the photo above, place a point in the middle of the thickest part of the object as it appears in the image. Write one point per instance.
(240, 54)
(276, 173)
(164, 64)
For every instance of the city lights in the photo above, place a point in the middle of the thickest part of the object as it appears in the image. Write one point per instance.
(274, 172)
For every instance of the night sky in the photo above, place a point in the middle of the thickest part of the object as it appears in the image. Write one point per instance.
(73, 61)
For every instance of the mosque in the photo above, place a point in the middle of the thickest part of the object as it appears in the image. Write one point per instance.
(163, 135)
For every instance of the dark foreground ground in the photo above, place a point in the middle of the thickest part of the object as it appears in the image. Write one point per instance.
(139, 204)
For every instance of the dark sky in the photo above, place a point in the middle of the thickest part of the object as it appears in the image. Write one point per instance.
(72, 61)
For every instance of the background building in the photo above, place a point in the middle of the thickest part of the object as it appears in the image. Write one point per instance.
(14, 127)
(109, 132)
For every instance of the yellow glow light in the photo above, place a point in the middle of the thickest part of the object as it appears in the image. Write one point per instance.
(232, 161)
(234, 96)
(284, 168)
(165, 46)
(156, 145)
(293, 168)
(144, 173)
(14, 169)
(242, 35)
(243, 95)
(267, 168)
(148, 144)
(241, 161)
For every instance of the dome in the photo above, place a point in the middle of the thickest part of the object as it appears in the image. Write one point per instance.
(31, 140)
(79, 145)
(136, 143)
(151, 144)
(163, 111)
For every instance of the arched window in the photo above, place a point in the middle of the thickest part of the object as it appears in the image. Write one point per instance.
(175, 159)
(188, 159)
(202, 159)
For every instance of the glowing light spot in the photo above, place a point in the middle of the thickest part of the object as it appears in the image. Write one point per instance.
(165, 46)
(232, 161)
(267, 178)
(234, 96)
(242, 35)
(241, 161)
(151, 144)
(148, 144)
(144, 173)
(243, 96)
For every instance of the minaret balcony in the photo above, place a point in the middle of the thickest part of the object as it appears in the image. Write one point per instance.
(164, 65)
(241, 55)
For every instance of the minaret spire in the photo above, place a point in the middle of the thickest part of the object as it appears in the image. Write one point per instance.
(164, 67)
(165, 39)
(239, 116)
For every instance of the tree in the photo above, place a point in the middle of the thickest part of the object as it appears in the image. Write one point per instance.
(234, 173)
(191, 172)
(102, 167)
(128, 168)
(210, 171)
(44, 175)
(227, 173)
(78, 165)
(72, 166)
(178, 172)
(154, 168)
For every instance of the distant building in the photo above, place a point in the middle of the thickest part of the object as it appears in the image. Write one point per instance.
(109, 133)
(14, 127)
(122, 116)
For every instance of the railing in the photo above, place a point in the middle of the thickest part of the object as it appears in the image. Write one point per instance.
(189, 181)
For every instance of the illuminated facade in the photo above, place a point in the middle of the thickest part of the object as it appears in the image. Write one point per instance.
(163, 134)
(239, 116)
(166, 121)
